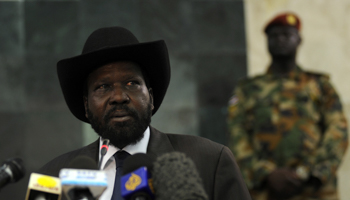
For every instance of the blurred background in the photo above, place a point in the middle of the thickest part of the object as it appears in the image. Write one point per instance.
(211, 43)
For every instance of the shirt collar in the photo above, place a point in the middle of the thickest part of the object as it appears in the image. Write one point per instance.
(294, 74)
(140, 147)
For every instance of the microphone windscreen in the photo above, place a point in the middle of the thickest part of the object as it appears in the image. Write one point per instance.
(136, 161)
(16, 167)
(82, 162)
(175, 177)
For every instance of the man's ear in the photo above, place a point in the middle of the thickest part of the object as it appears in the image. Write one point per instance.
(85, 105)
(150, 91)
(300, 40)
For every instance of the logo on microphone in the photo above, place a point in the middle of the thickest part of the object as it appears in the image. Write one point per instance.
(44, 183)
(133, 181)
(47, 181)
(136, 182)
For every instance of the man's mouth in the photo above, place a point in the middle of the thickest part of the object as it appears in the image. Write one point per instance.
(120, 116)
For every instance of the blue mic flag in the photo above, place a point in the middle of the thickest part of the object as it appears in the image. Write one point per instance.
(137, 182)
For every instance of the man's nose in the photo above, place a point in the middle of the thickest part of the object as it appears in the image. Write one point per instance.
(119, 96)
(281, 37)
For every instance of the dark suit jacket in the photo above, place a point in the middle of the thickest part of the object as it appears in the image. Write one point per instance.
(215, 162)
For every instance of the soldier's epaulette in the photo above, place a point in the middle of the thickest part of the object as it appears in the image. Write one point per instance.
(317, 75)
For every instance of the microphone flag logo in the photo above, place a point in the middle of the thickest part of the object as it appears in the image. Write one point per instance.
(138, 181)
(39, 183)
(133, 181)
(47, 181)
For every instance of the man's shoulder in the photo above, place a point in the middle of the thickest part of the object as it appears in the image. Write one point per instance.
(53, 167)
(243, 82)
(201, 150)
(215, 164)
(196, 147)
(317, 75)
(192, 138)
(193, 143)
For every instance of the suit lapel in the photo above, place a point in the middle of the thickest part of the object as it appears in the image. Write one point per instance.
(92, 150)
(158, 144)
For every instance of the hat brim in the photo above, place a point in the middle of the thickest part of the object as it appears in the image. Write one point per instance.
(151, 56)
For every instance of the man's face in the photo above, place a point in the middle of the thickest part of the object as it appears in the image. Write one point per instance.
(118, 104)
(283, 40)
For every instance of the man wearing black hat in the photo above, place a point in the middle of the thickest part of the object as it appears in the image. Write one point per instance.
(116, 85)
(288, 129)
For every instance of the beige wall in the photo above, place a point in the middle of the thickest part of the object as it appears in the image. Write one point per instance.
(325, 47)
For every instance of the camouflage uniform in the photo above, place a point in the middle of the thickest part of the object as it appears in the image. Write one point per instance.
(290, 121)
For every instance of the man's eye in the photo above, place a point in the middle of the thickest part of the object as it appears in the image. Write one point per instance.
(132, 83)
(104, 86)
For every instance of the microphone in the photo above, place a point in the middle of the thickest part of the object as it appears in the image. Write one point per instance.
(82, 181)
(175, 177)
(104, 149)
(136, 182)
(11, 171)
(43, 187)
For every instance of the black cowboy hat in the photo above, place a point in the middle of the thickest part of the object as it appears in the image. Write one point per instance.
(107, 45)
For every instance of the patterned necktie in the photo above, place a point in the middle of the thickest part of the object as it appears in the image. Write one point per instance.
(119, 159)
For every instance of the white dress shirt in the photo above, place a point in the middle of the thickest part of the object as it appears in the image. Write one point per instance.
(108, 162)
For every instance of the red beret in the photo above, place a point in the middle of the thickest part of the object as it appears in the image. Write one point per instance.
(284, 19)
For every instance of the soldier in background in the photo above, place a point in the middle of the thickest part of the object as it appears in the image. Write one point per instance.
(287, 128)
